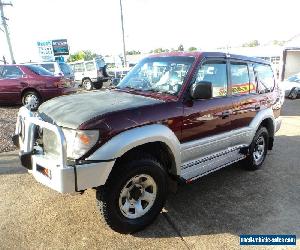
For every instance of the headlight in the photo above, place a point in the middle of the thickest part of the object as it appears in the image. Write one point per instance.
(79, 141)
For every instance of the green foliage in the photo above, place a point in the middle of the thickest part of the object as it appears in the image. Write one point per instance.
(82, 55)
(159, 50)
(192, 48)
(277, 42)
(133, 52)
(253, 43)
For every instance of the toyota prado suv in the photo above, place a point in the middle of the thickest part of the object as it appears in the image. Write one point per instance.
(175, 117)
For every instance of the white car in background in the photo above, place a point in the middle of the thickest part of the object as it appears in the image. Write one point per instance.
(90, 74)
(291, 86)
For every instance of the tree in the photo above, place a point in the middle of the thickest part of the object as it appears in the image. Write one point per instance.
(76, 56)
(133, 52)
(192, 48)
(252, 43)
(159, 50)
(180, 47)
(277, 42)
(82, 55)
(89, 55)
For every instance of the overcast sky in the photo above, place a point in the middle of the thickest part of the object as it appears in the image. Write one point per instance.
(149, 24)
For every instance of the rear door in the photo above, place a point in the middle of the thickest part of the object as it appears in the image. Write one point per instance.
(246, 103)
(11, 84)
(249, 95)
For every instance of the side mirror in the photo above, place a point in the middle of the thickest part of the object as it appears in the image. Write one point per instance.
(201, 90)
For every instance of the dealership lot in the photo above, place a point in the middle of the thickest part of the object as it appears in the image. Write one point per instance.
(210, 213)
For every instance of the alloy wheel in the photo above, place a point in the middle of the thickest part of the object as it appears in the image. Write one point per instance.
(137, 196)
(259, 150)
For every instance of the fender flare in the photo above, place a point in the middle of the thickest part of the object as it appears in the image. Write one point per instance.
(260, 117)
(127, 140)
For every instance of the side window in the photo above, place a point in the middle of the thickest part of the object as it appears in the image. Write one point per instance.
(11, 72)
(90, 66)
(79, 67)
(240, 82)
(265, 78)
(49, 66)
(216, 73)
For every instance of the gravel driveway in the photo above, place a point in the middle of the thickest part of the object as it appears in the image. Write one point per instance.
(8, 116)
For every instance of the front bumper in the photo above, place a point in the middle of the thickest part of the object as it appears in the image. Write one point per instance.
(54, 171)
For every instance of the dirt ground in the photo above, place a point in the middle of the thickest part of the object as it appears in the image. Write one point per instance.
(208, 214)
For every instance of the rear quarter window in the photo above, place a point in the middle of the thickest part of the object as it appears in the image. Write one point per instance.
(90, 66)
(49, 66)
(264, 77)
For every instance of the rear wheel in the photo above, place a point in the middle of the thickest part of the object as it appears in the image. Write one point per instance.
(293, 94)
(134, 195)
(258, 150)
(87, 84)
(31, 100)
(98, 85)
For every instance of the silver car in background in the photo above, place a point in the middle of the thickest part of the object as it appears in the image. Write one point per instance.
(291, 86)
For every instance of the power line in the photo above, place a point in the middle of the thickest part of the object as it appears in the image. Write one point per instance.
(4, 24)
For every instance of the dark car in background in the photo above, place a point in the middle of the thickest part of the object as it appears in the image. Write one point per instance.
(30, 85)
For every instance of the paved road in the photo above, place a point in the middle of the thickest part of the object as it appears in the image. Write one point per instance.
(208, 214)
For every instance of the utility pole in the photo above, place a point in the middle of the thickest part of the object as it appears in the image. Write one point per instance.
(6, 30)
(124, 50)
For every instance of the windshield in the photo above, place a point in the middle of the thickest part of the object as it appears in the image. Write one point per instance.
(39, 70)
(158, 74)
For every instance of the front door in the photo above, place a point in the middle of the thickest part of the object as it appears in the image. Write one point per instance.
(205, 121)
(11, 84)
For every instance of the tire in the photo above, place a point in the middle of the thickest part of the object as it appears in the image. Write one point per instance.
(293, 94)
(257, 150)
(134, 194)
(98, 85)
(87, 84)
(32, 100)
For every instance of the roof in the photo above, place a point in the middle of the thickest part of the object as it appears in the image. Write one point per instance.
(198, 54)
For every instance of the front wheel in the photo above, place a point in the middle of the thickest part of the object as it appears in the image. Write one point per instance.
(293, 94)
(257, 150)
(87, 84)
(134, 195)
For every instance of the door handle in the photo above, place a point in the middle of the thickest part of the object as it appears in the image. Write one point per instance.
(257, 107)
(225, 114)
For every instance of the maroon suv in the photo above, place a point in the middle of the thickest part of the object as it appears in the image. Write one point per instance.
(174, 117)
(30, 85)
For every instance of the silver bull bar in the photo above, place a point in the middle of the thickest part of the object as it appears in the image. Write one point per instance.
(53, 171)
(26, 129)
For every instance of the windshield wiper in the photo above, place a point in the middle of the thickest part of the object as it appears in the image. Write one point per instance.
(156, 90)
